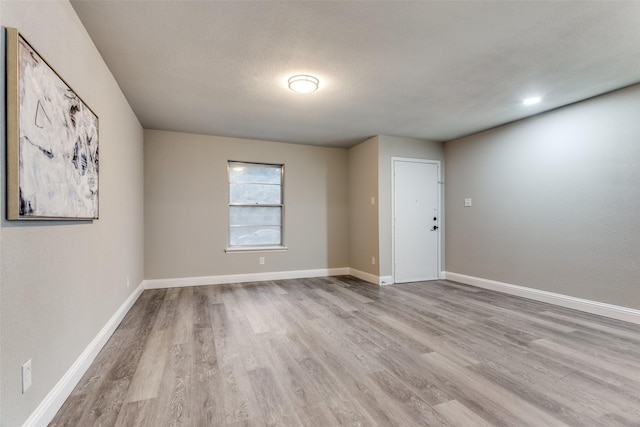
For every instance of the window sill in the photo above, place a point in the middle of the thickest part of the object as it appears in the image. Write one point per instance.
(257, 249)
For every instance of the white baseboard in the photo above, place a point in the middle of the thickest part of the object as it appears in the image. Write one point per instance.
(260, 277)
(367, 277)
(593, 307)
(243, 278)
(386, 280)
(54, 400)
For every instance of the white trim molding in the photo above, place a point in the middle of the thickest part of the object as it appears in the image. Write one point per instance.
(241, 249)
(243, 278)
(588, 306)
(367, 277)
(386, 280)
(54, 400)
(260, 277)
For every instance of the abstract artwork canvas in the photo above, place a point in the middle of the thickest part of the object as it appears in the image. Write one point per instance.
(52, 141)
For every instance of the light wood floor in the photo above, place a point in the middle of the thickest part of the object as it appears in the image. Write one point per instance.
(337, 351)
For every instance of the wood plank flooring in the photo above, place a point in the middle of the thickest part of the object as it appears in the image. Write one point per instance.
(337, 351)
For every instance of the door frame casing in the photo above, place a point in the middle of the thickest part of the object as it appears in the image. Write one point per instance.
(439, 222)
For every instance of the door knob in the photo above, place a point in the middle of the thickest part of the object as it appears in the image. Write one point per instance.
(435, 227)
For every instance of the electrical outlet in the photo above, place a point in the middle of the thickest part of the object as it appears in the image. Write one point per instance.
(26, 376)
(373, 260)
(468, 203)
(128, 281)
(261, 260)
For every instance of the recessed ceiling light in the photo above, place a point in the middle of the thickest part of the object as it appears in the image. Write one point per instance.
(531, 101)
(303, 83)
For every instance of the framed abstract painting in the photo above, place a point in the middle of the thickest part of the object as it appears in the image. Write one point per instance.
(52, 141)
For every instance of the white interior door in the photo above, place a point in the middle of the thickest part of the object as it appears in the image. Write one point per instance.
(416, 220)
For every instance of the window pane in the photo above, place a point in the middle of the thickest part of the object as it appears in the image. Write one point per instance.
(255, 236)
(255, 194)
(262, 174)
(258, 215)
(251, 186)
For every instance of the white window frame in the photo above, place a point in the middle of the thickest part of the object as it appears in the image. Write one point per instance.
(254, 248)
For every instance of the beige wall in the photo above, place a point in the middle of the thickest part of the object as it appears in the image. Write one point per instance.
(186, 199)
(555, 201)
(62, 281)
(363, 216)
(389, 147)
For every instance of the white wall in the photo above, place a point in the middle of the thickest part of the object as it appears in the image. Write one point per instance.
(62, 281)
(556, 200)
(186, 206)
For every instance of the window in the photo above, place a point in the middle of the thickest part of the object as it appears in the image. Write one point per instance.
(255, 205)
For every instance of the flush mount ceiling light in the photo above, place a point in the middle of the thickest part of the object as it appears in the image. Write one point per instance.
(531, 101)
(303, 83)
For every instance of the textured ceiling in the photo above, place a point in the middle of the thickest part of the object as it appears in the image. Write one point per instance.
(430, 70)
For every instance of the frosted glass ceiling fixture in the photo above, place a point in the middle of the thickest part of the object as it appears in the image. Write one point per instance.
(531, 101)
(303, 83)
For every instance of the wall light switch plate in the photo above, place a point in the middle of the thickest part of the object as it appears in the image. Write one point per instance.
(467, 203)
(26, 376)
